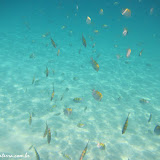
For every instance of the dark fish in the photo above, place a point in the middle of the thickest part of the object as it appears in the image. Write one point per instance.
(119, 98)
(30, 147)
(84, 41)
(49, 136)
(30, 119)
(57, 114)
(53, 43)
(37, 155)
(46, 130)
(33, 114)
(98, 55)
(143, 101)
(125, 125)
(84, 152)
(157, 130)
(47, 71)
(62, 97)
(85, 109)
(67, 89)
(33, 80)
(150, 117)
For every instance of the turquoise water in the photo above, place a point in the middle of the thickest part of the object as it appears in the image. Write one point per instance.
(26, 50)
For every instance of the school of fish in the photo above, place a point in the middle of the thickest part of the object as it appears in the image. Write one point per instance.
(96, 95)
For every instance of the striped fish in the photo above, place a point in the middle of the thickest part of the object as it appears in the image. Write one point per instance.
(95, 65)
(49, 136)
(101, 146)
(66, 156)
(125, 125)
(67, 111)
(84, 152)
(97, 95)
(53, 43)
(77, 100)
(37, 155)
(52, 94)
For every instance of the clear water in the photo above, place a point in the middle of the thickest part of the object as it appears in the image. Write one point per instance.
(25, 52)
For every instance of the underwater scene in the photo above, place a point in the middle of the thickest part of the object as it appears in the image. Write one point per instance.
(80, 79)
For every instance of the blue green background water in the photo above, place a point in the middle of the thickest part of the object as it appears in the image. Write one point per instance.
(22, 26)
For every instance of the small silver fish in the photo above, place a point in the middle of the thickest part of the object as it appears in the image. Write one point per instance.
(66, 156)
